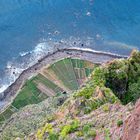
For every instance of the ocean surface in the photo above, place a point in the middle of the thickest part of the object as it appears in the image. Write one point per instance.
(31, 28)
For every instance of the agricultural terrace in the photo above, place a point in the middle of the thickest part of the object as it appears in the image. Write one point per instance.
(64, 76)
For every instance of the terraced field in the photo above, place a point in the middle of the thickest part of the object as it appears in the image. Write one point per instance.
(64, 76)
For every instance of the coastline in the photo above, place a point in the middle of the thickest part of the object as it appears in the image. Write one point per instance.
(97, 57)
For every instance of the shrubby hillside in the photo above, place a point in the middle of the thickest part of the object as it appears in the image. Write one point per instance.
(97, 110)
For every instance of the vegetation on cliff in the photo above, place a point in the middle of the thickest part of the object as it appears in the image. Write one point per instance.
(123, 78)
(97, 109)
(116, 80)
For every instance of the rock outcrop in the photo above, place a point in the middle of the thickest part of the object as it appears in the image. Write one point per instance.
(131, 130)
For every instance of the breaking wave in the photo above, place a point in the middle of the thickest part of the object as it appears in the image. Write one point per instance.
(26, 59)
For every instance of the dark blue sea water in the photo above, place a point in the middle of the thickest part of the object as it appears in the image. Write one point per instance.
(26, 27)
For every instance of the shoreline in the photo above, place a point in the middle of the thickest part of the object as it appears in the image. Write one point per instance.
(97, 57)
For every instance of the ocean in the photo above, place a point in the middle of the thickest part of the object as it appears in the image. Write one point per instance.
(29, 29)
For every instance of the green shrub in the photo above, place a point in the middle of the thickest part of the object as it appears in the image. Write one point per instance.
(87, 110)
(74, 125)
(69, 128)
(107, 134)
(65, 131)
(134, 66)
(86, 128)
(53, 136)
(117, 77)
(133, 91)
(80, 133)
(98, 76)
(92, 133)
(106, 108)
(50, 118)
(119, 123)
(85, 92)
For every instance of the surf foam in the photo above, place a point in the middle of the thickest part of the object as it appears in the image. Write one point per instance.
(15, 68)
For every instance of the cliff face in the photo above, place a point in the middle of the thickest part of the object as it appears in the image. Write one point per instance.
(95, 112)
(102, 109)
(131, 129)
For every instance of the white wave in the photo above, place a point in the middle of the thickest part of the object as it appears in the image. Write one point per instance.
(23, 53)
(91, 50)
(40, 48)
(3, 87)
(88, 13)
(39, 51)
(13, 70)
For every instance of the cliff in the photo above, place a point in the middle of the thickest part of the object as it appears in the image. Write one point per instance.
(102, 109)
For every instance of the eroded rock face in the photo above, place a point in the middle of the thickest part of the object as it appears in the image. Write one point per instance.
(131, 130)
